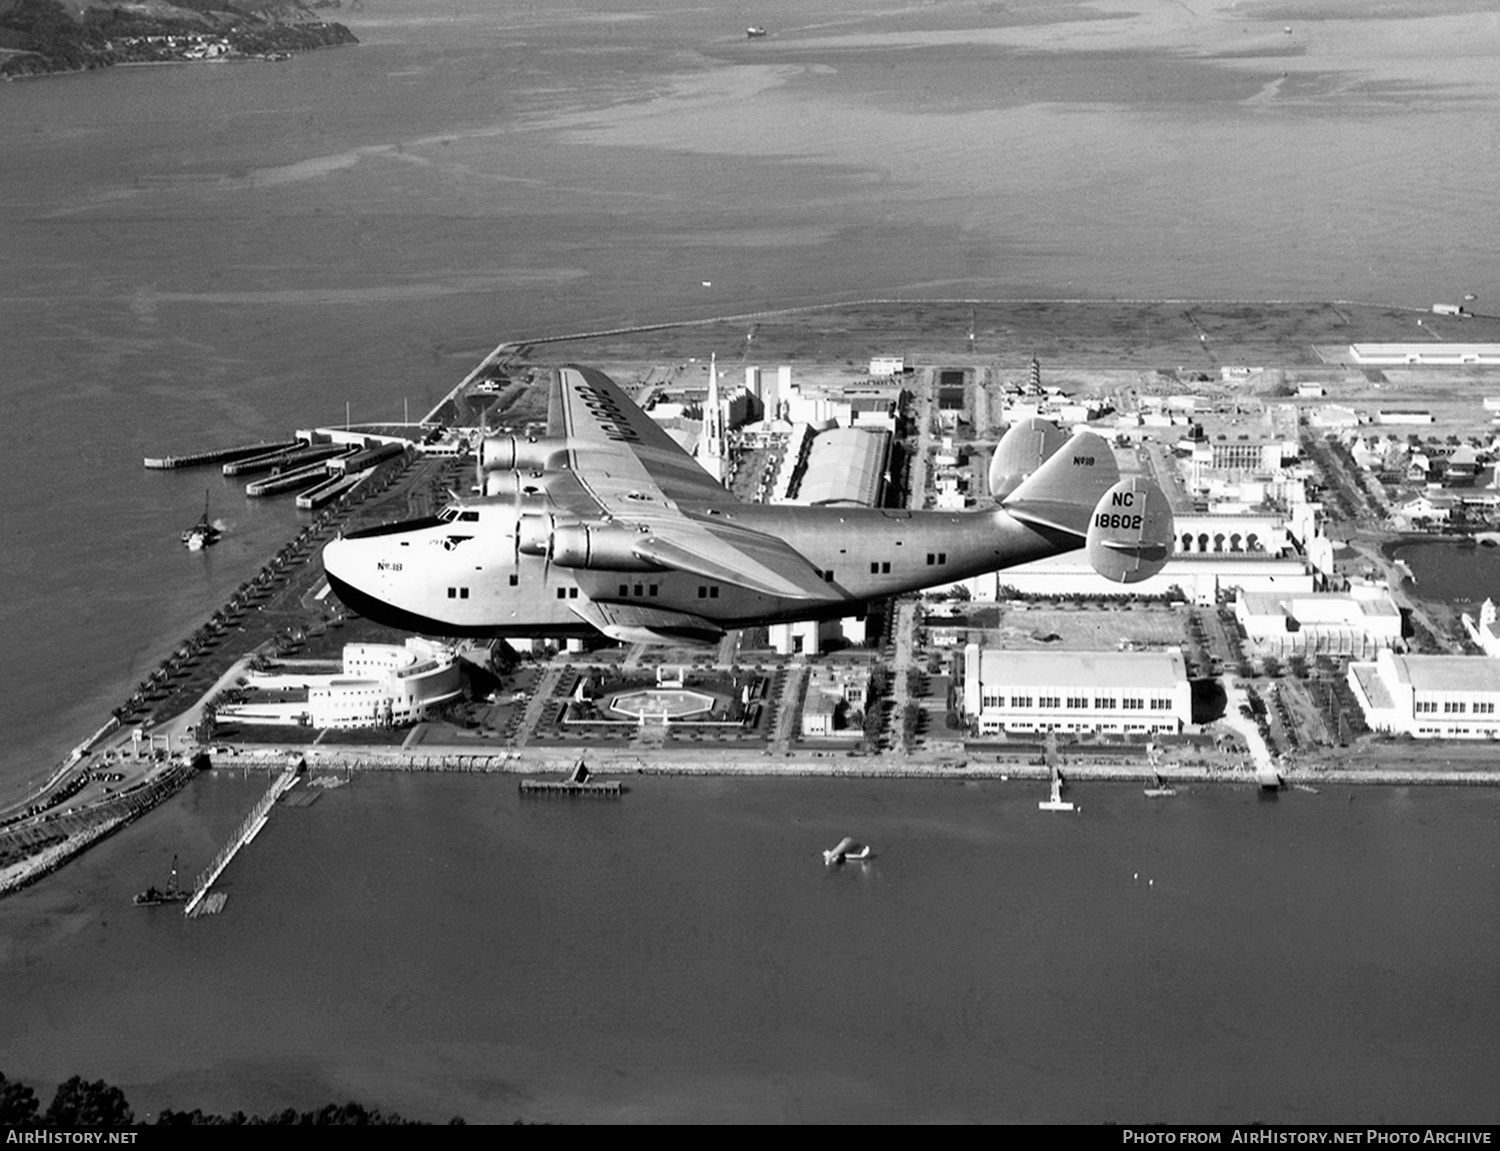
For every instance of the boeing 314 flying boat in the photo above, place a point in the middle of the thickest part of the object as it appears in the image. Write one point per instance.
(606, 524)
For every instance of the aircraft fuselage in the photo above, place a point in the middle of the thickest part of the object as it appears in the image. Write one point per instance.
(466, 575)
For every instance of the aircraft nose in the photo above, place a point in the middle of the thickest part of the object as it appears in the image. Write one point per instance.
(335, 558)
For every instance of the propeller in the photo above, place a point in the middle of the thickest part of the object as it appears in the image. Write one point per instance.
(516, 531)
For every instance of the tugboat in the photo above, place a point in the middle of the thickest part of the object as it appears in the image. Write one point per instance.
(202, 533)
(155, 897)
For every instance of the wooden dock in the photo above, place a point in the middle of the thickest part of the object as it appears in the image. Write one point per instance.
(609, 789)
(248, 830)
(578, 782)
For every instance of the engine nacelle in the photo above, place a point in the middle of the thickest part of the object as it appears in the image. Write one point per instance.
(1131, 532)
(597, 547)
(508, 453)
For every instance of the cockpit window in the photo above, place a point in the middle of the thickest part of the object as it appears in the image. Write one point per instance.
(448, 515)
(469, 517)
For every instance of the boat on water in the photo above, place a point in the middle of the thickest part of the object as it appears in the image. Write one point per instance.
(202, 533)
(755, 32)
(155, 896)
(846, 851)
(1161, 792)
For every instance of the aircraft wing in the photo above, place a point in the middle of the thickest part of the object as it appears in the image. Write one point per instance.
(613, 440)
(634, 623)
(734, 555)
(635, 474)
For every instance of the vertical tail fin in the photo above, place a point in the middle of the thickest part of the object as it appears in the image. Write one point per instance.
(1025, 446)
(1064, 490)
(1126, 525)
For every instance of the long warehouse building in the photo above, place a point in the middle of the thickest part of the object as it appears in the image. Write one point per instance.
(1130, 693)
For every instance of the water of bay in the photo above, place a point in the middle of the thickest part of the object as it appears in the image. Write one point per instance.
(439, 945)
(1463, 577)
(216, 254)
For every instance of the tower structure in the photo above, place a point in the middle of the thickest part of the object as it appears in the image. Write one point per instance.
(712, 449)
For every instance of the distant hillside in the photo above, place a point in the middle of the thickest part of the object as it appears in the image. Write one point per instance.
(40, 36)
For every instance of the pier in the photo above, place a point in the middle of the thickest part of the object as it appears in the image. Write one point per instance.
(298, 479)
(320, 494)
(577, 783)
(247, 831)
(610, 789)
(297, 455)
(216, 455)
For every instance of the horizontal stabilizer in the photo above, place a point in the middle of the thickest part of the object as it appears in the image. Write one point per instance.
(630, 623)
(1130, 535)
(733, 555)
(1064, 490)
(1024, 447)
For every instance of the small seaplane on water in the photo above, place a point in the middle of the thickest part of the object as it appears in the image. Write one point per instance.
(847, 851)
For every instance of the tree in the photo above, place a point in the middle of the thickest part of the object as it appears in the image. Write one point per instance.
(82, 1104)
(17, 1104)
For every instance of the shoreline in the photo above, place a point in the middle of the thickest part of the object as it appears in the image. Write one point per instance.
(627, 764)
(957, 764)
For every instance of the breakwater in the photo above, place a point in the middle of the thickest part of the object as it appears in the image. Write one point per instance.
(509, 763)
(68, 833)
(215, 455)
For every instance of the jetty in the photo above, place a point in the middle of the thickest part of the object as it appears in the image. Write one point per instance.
(1054, 801)
(297, 454)
(216, 455)
(578, 783)
(298, 479)
(330, 489)
(246, 832)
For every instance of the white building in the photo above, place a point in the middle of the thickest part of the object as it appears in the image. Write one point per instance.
(834, 692)
(1201, 578)
(381, 684)
(1319, 623)
(1485, 633)
(1076, 691)
(1429, 696)
(1428, 353)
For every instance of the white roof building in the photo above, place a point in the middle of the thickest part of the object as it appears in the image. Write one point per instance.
(845, 466)
(1198, 577)
(1319, 623)
(1427, 353)
(381, 684)
(1429, 696)
(1076, 691)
